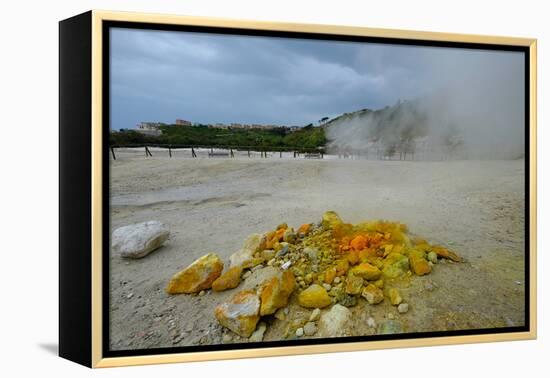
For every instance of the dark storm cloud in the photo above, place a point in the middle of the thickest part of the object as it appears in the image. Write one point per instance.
(161, 76)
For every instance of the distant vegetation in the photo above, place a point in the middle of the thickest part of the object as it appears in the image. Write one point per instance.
(308, 137)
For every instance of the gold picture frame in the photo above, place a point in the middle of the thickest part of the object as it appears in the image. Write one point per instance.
(90, 330)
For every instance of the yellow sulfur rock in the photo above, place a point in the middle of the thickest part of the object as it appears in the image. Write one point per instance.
(366, 271)
(274, 293)
(315, 296)
(395, 297)
(330, 220)
(418, 264)
(240, 314)
(251, 263)
(395, 265)
(196, 277)
(354, 284)
(373, 294)
(329, 275)
(228, 280)
(342, 267)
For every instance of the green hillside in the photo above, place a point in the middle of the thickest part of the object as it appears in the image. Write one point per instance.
(308, 137)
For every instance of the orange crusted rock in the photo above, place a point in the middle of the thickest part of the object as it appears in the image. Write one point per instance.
(367, 271)
(196, 277)
(280, 234)
(240, 314)
(359, 243)
(420, 266)
(282, 226)
(418, 263)
(304, 229)
(228, 280)
(445, 253)
(274, 293)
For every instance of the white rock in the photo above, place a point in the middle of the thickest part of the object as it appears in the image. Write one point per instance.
(239, 257)
(240, 314)
(300, 332)
(259, 276)
(258, 334)
(286, 265)
(251, 244)
(334, 322)
(315, 315)
(371, 322)
(403, 308)
(138, 240)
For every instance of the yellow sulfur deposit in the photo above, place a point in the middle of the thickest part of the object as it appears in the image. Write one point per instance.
(337, 261)
(318, 265)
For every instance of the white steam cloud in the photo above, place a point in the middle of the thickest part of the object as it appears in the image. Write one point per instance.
(471, 106)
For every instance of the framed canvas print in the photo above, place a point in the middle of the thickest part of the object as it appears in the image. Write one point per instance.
(235, 189)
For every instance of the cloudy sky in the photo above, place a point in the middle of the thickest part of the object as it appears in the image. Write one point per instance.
(209, 78)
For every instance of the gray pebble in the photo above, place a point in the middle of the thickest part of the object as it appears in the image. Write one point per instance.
(310, 328)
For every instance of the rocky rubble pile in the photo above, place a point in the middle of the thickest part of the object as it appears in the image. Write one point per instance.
(326, 267)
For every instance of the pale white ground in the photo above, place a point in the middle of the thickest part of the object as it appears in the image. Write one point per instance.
(212, 204)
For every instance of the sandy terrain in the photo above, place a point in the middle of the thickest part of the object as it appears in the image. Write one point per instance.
(211, 205)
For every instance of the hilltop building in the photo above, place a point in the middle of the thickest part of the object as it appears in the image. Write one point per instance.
(182, 122)
(149, 128)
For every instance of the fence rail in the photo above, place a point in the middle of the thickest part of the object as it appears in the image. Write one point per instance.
(230, 150)
(421, 152)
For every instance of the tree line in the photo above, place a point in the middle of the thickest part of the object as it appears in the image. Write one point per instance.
(307, 137)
